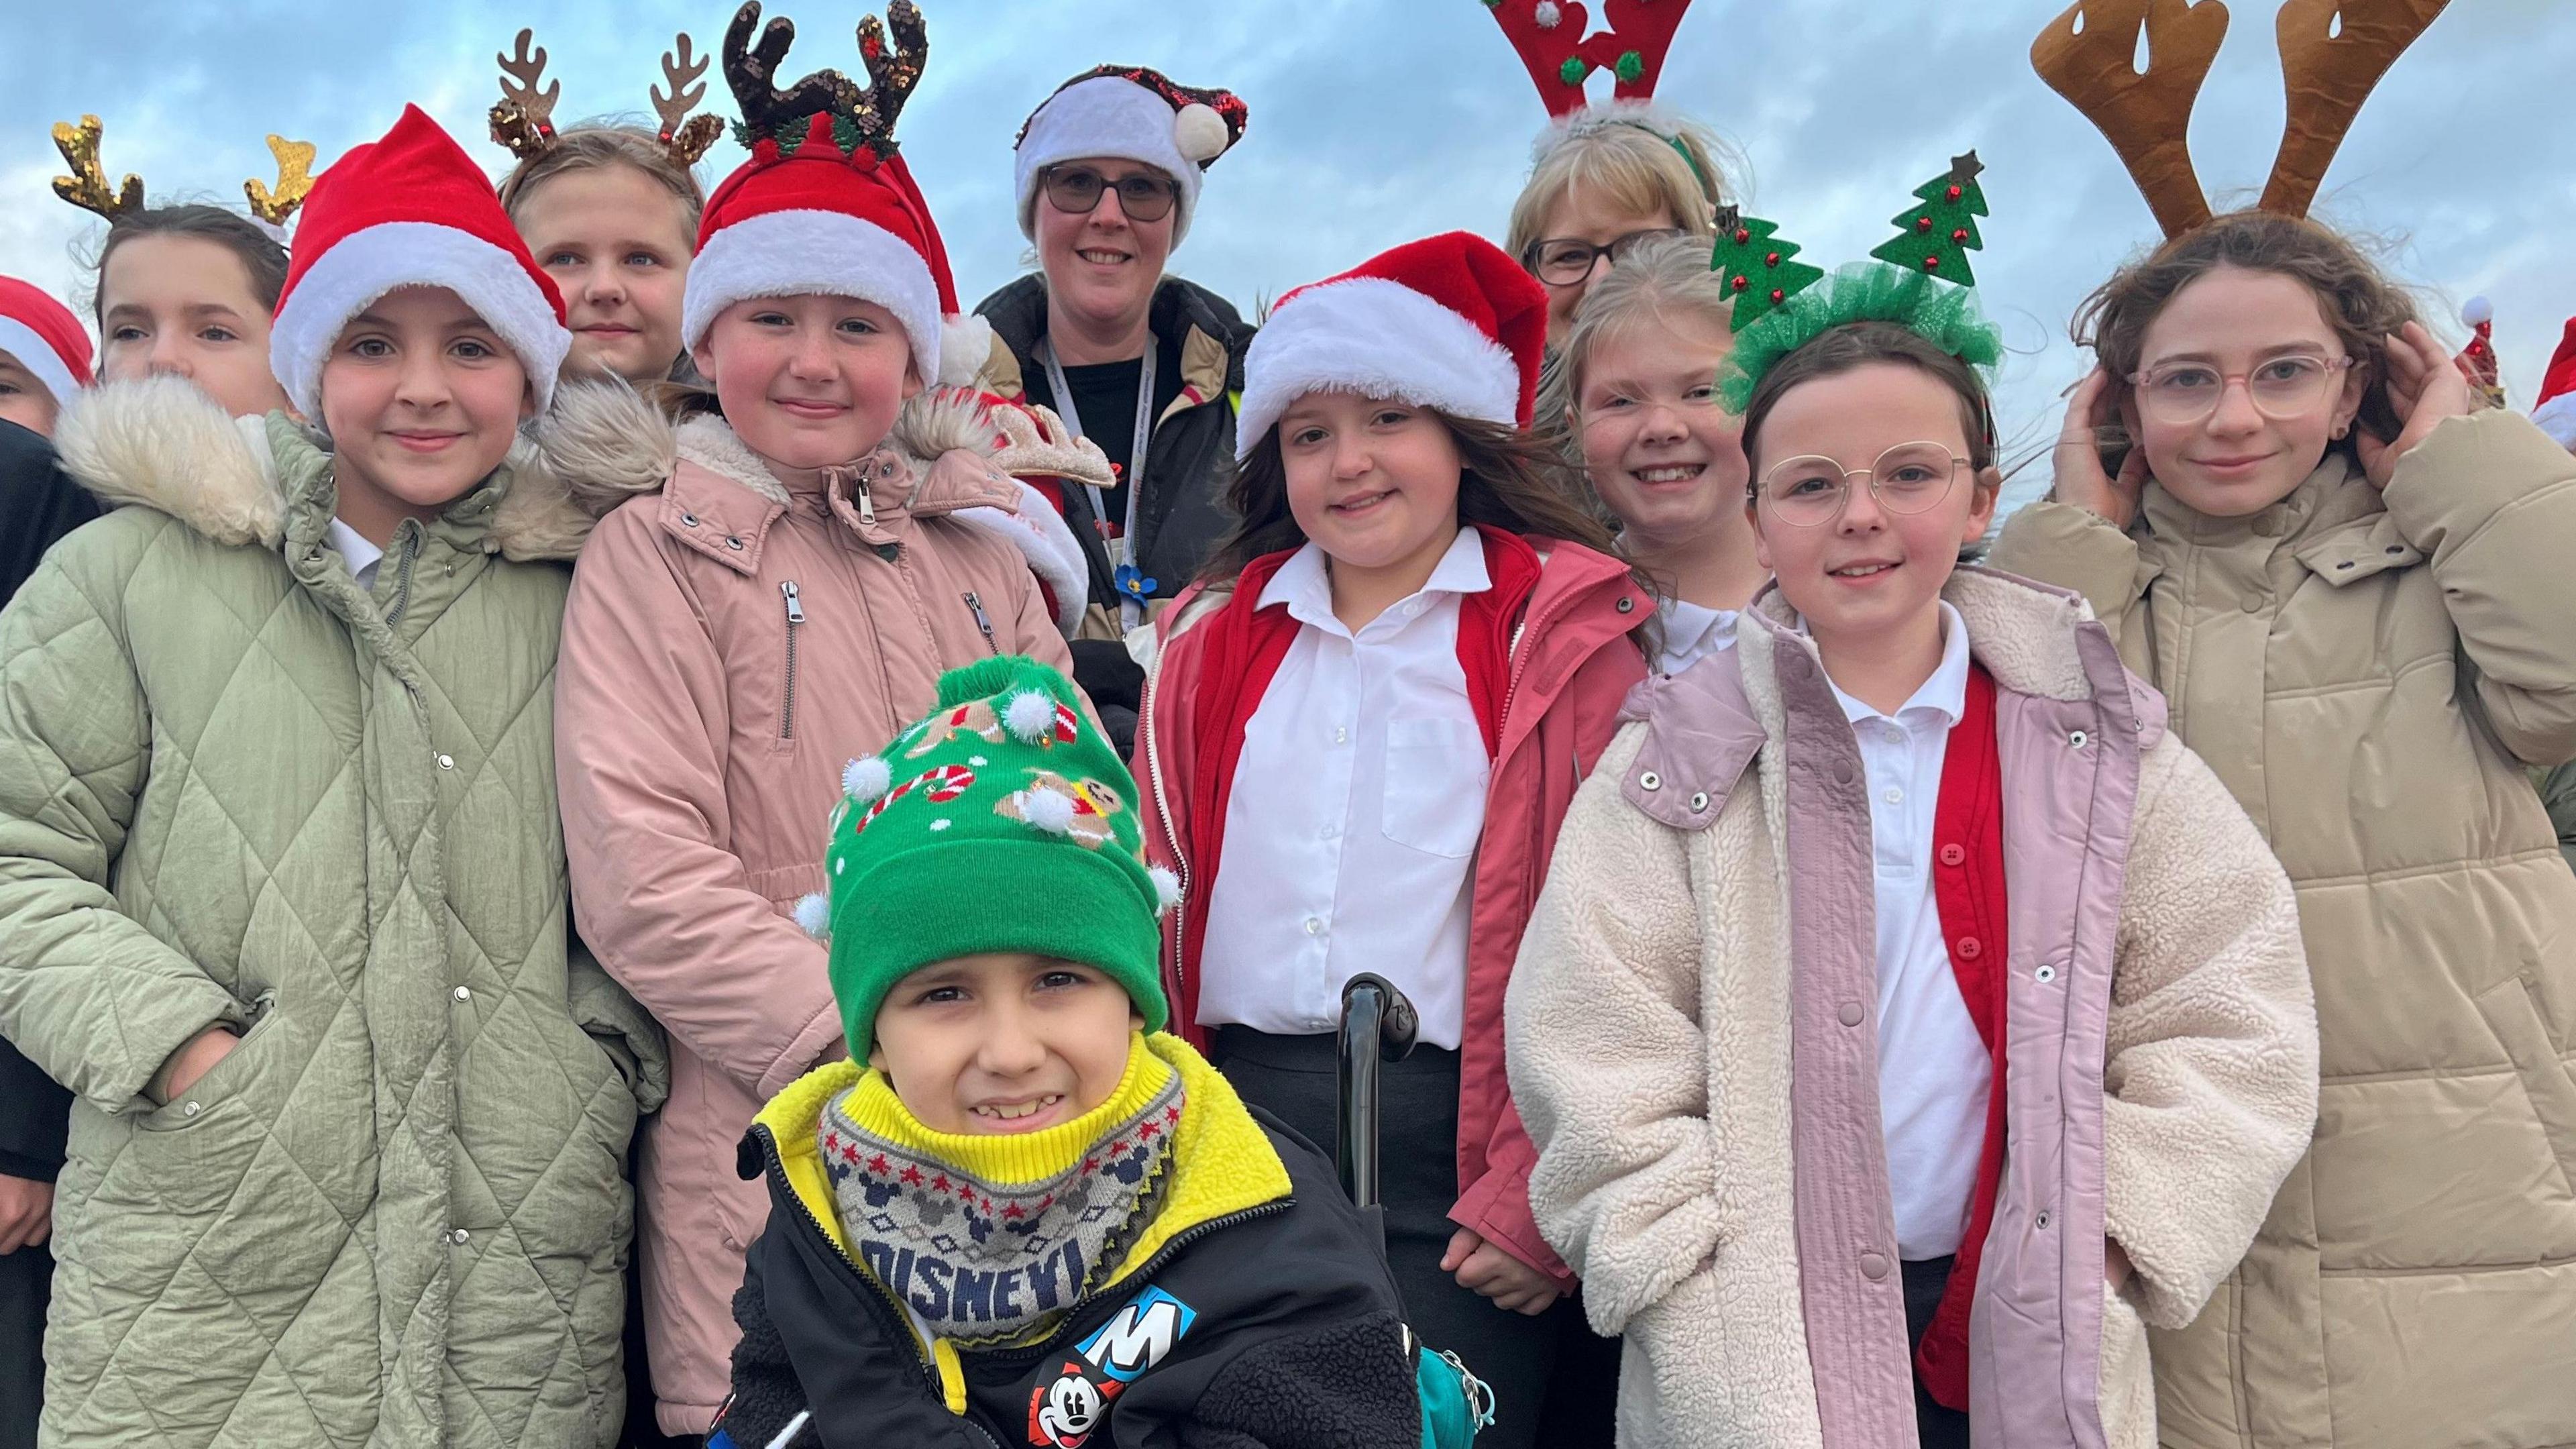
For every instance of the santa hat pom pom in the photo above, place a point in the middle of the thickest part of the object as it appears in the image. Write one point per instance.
(1048, 810)
(2477, 312)
(1167, 888)
(1029, 716)
(866, 779)
(814, 915)
(1200, 133)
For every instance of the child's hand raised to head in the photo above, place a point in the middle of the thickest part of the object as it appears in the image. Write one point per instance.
(2425, 388)
(1484, 1269)
(2081, 479)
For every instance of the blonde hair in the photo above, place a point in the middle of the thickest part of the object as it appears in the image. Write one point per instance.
(592, 145)
(1622, 154)
(1666, 280)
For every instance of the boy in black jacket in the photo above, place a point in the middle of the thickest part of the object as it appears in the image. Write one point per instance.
(1021, 1214)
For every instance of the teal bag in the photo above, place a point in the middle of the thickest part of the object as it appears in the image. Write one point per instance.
(1455, 1403)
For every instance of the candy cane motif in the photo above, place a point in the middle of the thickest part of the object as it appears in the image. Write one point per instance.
(1065, 723)
(940, 786)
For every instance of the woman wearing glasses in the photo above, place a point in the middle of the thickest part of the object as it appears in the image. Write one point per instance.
(2355, 594)
(1142, 364)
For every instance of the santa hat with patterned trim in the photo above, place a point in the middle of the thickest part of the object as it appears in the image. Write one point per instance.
(2556, 409)
(45, 337)
(410, 210)
(1002, 822)
(1132, 114)
(1447, 322)
(825, 205)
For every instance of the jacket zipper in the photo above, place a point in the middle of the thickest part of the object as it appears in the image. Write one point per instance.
(1163, 809)
(795, 618)
(897, 1320)
(859, 492)
(402, 579)
(982, 622)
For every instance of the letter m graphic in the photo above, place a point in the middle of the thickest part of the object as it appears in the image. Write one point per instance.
(1139, 1335)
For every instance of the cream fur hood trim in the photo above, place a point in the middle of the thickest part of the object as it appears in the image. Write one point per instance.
(161, 443)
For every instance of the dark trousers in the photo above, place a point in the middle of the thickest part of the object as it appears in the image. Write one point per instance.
(1925, 1282)
(26, 1285)
(1553, 1378)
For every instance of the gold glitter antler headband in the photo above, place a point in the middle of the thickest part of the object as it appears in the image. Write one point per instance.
(524, 118)
(685, 138)
(294, 182)
(87, 186)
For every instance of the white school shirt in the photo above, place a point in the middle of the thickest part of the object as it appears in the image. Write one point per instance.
(360, 555)
(1933, 1069)
(1350, 837)
(1692, 632)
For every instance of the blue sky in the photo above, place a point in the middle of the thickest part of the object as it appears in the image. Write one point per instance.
(1374, 121)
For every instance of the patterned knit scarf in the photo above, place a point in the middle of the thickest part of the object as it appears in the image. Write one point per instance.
(990, 1239)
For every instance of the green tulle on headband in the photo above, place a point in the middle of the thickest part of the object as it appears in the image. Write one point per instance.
(1938, 312)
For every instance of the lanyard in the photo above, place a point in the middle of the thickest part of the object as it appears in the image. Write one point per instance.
(1132, 585)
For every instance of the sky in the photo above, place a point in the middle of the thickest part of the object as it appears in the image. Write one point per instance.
(1376, 121)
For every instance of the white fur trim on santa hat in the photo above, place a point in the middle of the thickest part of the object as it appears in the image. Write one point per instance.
(1379, 339)
(792, 253)
(37, 355)
(363, 266)
(1054, 554)
(2557, 418)
(1107, 116)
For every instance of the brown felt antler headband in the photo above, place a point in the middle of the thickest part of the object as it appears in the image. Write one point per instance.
(2332, 53)
(523, 119)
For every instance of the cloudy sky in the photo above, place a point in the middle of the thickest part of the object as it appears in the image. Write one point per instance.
(1374, 121)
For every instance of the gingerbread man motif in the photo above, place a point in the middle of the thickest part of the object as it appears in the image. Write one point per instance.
(974, 717)
(1083, 810)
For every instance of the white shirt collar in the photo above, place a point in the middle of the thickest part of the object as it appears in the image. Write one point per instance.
(1945, 693)
(1695, 626)
(1305, 584)
(360, 555)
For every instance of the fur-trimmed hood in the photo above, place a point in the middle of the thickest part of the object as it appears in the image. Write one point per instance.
(963, 449)
(163, 444)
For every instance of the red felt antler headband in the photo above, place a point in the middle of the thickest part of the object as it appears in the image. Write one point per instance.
(1550, 36)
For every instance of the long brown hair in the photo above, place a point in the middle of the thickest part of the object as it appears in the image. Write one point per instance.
(2360, 304)
(1507, 480)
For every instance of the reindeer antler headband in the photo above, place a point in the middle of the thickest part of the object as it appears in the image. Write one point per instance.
(2332, 53)
(523, 119)
(1549, 34)
(87, 187)
(861, 119)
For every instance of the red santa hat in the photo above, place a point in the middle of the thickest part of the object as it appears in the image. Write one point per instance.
(2556, 409)
(1447, 322)
(45, 337)
(1133, 114)
(410, 210)
(824, 205)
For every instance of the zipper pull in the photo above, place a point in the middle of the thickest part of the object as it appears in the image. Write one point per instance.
(867, 505)
(795, 602)
(982, 622)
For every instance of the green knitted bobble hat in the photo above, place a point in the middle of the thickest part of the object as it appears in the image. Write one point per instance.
(1003, 822)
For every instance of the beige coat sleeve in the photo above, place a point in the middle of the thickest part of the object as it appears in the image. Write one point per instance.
(2211, 1087)
(2491, 500)
(2072, 548)
(1608, 1062)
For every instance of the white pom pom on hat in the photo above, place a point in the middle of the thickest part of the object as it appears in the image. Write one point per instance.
(866, 779)
(2477, 311)
(1167, 888)
(1049, 810)
(1200, 133)
(814, 914)
(1030, 716)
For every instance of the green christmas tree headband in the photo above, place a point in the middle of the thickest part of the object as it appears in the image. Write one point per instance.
(1779, 306)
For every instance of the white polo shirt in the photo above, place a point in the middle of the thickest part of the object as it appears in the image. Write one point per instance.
(360, 555)
(1358, 801)
(1934, 1073)
(1692, 632)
